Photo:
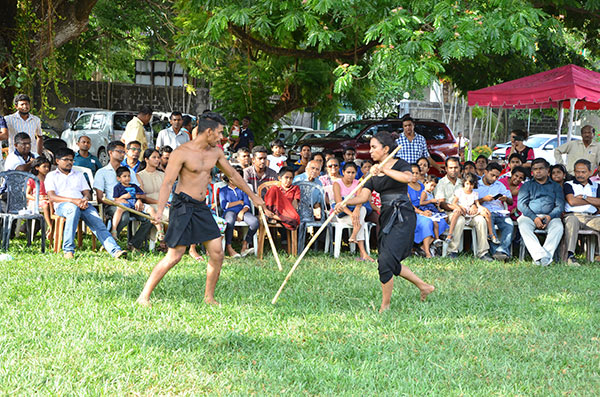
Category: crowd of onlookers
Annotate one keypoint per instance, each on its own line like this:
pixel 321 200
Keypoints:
pixel 503 204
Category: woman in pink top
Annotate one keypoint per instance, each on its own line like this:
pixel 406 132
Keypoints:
pixel 514 183
pixel 352 215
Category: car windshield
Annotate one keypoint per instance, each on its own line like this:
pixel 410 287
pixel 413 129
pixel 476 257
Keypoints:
pixel 348 131
pixel 535 141
pixel 293 138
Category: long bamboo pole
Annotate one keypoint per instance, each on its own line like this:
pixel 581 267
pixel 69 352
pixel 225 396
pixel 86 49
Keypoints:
pixel 271 242
pixel 111 202
pixel 324 225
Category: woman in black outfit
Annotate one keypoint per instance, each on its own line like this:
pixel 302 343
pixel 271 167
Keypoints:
pixel 397 220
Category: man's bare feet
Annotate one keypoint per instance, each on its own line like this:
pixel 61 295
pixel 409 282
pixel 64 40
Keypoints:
pixel 143 302
pixel 211 301
pixel 426 291
pixel 367 258
pixel 232 253
pixel 68 255
pixel 384 308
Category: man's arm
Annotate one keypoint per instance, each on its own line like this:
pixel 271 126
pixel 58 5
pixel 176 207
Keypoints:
pixel 559 203
pixel 3 134
pixel 560 150
pixel 237 179
pixel 523 201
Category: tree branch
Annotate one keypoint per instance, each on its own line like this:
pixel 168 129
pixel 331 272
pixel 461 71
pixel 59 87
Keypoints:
pixel 291 52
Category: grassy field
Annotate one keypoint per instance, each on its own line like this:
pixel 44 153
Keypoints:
pixel 489 329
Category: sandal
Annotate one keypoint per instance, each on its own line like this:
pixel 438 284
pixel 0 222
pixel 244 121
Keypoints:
pixel 492 237
pixel 449 238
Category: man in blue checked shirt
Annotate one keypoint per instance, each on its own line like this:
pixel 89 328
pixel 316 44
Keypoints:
pixel 413 145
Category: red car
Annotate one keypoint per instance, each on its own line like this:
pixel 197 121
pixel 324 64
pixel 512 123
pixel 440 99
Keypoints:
pixel 357 134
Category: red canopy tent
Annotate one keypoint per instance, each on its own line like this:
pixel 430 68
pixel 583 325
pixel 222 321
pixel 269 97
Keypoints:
pixel 568 87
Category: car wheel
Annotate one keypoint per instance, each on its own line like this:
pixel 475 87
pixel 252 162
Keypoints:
pixel 103 157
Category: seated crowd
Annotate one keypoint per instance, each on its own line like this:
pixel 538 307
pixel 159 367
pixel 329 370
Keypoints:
pixel 503 205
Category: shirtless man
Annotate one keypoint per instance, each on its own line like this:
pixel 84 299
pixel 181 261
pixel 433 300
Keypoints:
pixel 190 219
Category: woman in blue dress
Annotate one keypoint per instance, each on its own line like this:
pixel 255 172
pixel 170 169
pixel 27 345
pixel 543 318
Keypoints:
pixel 425 229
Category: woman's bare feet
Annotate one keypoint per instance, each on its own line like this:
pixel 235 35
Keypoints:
pixel 211 301
pixel 428 289
pixel 143 302
pixel 232 253
pixel 384 308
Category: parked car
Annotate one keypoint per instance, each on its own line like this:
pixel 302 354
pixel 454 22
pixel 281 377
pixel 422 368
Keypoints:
pixel 102 127
pixel 284 131
pixel 357 134
pixel 73 114
pixel 544 144
pixel 300 135
pixel 499 152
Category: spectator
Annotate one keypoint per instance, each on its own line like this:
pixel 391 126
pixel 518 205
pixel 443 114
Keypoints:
pixel 423 164
pixel 282 201
pixel 558 173
pixel 542 202
pixel 517 146
pixel 586 148
pixel 246 135
pixel 582 203
pixel 104 184
pixel 468 168
pixel 3 129
pixel 332 174
pixel 234 133
pixel 427 230
pixel 413 145
pixel 236 207
pixel 514 160
pixel 374 202
pixel 514 183
pixel 305 155
pixel 173 136
pixel 128 194
pixel 328 154
pixel 165 153
pixel 312 175
pixel 23 121
pixel 320 159
pixel 21 158
pixel 187 125
pixel 83 157
pixel 277 159
pixel 446 192
pixel 132 160
pixel 259 173
pixel 350 157
pixel 40 168
pixel 352 215
pixel 244 158
pixel 481 162
pixel 135 128
pixel 493 195
pixel 70 193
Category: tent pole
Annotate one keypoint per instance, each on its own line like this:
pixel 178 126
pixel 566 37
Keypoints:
pixel 528 122
pixel 470 133
pixel 571 115
pixel 561 117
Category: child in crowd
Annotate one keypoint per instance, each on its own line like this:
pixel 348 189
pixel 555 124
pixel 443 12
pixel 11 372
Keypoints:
pixel 127 193
pixel 40 168
pixel 277 159
pixel 466 198
pixel 430 203
pixel 282 201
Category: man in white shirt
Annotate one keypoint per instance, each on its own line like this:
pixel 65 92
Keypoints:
pixel 586 148
pixel 581 203
pixel 22 157
pixel 135 128
pixel 23 121
pixel 174 136
pixel 104 185
pixel 69 192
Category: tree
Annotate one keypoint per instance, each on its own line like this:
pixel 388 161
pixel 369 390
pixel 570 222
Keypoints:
pixel 31 32
pixel 269 57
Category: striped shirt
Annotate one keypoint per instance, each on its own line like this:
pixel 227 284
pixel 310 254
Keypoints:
pixel 32 126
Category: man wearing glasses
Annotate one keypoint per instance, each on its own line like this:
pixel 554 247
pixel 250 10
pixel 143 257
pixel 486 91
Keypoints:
pixel 104 184
pixel 134 149
pixel 70 193
pixel 542 202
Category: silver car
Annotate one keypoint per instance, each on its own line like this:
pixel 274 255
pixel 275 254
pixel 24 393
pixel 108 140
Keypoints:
pixel 102 127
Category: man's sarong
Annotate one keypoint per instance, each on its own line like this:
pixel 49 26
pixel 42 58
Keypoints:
pixel 190 222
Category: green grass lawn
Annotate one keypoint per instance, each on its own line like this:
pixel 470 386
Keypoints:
pixel 489 329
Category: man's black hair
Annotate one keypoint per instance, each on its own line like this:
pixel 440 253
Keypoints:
pixel 468 163
pixel 584 162
pixel 515 155
pixel 259 149
pixel 130 144
pixel 243 150
pixel 113 145
pixel 145 110
pixel 493 166
pixel 542 161
pixel 121 170
pixel 21 97
pixel 165 149
pixel 176 113
pixel 349 149
pixel 482 156
pixel 64 152
pixel 305 145
pixel 210 120
pixel 452 158
pixel 247 118
pixel 186 120
pixel 407 117
pixel 22 136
